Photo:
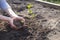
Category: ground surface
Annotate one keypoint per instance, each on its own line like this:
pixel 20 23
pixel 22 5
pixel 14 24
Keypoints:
pixel 44 26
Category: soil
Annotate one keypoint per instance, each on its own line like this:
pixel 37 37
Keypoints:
pixel 18 24
pixel 44 26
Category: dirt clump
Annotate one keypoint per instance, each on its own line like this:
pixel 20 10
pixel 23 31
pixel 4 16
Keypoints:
pixel 18 24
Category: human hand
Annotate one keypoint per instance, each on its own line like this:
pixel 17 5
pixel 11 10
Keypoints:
pixel 15 18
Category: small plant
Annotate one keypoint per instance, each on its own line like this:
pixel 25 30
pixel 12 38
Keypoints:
pixel 29 6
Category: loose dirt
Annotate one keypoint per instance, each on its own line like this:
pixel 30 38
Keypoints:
pixel 44 26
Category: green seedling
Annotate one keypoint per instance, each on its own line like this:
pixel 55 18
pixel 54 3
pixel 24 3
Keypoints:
pixel 29 6
pixel 30 11
pixel 33 15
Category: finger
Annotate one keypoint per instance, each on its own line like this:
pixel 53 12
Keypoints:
pixel 22 19
pixel 12 25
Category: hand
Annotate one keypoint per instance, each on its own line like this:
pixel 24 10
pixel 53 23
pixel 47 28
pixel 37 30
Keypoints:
pixel 15 18
pixel 19 18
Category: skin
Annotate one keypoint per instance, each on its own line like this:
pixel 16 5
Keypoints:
pixel 12 17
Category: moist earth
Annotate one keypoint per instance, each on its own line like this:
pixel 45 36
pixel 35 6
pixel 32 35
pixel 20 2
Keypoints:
pixel 44 26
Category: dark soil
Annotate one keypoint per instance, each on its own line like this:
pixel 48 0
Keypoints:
pixel 18 24
pixel 14 34
pixel 41 27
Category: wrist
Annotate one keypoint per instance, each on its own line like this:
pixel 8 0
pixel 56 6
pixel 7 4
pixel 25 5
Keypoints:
pixel 14 16
pixel 11 12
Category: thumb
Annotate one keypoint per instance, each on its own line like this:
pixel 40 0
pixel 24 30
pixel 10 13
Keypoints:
pixel 12 25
